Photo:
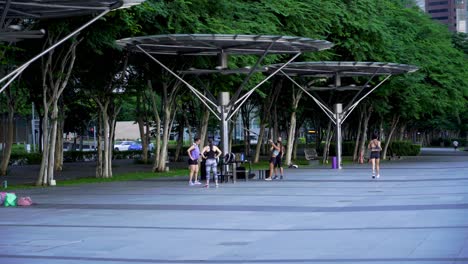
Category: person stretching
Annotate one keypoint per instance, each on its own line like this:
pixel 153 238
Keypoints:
pixel 211 153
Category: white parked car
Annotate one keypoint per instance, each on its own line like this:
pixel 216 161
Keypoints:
pixel 123 146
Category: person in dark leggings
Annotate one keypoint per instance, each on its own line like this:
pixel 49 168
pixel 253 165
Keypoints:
pixel 211 153
pixel 375 148
pixel 278 163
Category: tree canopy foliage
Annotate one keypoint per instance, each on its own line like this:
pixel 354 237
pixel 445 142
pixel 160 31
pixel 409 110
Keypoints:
pixel 434 98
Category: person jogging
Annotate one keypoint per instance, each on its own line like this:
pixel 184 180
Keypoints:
pixel 375 148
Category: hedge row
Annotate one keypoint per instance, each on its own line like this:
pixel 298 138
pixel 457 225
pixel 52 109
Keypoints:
pixel 69 156
pixel 396 148
pixel 448 142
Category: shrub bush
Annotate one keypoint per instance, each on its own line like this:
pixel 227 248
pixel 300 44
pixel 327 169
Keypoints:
pixel 397 148
pixel 25 158
pixel 403 148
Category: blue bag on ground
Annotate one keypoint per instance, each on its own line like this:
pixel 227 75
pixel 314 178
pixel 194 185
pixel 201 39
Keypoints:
pixel 10 200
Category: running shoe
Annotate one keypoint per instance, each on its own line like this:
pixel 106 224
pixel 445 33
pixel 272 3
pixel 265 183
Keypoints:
pixel 191 183
pixel 197 183
pixel 268 179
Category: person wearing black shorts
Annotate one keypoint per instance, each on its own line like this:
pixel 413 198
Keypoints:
pixel 193 154
pixel 274 151
pixel 375 148
pixel 279 158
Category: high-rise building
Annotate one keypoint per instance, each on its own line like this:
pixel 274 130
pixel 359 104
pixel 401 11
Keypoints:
pixel 453 13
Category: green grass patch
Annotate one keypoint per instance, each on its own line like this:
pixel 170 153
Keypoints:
pixel 117 177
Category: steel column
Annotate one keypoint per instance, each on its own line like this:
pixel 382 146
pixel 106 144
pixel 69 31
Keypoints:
pixel 338 112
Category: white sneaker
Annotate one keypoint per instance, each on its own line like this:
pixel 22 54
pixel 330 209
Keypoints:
pixel 217 185
pixel 197 182
pixel 191 183
pixel 378 176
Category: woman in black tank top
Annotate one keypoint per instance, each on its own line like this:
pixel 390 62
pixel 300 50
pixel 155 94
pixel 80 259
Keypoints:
pixel 375 148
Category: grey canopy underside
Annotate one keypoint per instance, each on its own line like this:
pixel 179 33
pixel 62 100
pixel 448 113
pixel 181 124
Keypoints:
pixel 344 68
pixel 215 44
pixel 11 10
pixel 42 9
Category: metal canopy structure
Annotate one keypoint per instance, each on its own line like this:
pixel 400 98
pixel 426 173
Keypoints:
pixel 337 70
pixel 215 44
pixel 55 9
pixel 222 46
pixel 13 10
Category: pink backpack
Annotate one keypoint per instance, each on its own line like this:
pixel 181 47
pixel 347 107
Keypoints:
pixel 24 201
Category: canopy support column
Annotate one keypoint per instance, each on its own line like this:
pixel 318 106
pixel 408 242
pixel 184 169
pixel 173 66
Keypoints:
pixel 223 101
pixel 338 112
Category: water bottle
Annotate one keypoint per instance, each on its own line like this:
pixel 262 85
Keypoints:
pixel 242 157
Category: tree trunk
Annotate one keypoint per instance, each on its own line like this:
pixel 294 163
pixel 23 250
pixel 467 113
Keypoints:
pixel 8 142
pixel 155 111
pixel 402 132
pixel 59 145
pixel 99 148
pixel 395 120
pixel 356 144
pixel 296 143
pixel 52 142
pixel 165 138
pixel 362 148
pixel 260 141
pixel 168 118
pixel 180 140
pixel 297 95
pixel 204 127
pixel 141 127
pixel 55 76
pixel 266 117
pixel 328 138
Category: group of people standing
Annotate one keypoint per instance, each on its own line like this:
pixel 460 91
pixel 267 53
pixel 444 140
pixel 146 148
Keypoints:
pixel 211 154
pixel 276 156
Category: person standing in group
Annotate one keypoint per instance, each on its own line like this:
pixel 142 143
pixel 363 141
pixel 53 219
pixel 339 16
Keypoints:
pixel 455 145
pixel 278 163
pixel 274 152
pixel 194 155
pixel 375 148
pixel 211 153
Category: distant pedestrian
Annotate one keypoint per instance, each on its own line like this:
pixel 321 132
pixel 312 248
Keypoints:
pixel 211 153
pixel 274 152
pixel 278 163
pixel 455 145
pixel 194 156
pixel 375 148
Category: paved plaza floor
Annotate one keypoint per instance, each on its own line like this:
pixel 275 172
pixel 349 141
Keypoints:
pixel 417 212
